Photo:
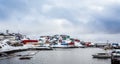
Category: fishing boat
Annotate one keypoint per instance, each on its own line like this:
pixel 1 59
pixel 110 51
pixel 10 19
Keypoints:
pixel 101 55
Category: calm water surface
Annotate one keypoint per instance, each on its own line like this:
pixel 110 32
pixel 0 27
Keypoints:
pixel 61 56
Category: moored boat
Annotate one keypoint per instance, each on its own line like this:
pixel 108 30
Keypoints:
pixel 115 57
pixel 6 48
pixel 101 55
pixel 25 57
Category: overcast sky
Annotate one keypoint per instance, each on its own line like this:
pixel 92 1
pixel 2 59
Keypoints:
pixel 88 20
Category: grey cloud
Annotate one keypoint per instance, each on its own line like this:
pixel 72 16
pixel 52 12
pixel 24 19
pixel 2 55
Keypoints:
pixel 105 22
pixel 7 7
pixel 63 14
pixel 110 19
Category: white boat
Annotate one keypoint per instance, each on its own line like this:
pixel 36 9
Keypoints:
pixel 5 47
pixel 101 55
pixel 116 53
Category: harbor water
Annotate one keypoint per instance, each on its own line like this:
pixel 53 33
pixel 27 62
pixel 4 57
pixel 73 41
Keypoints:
pixel 60 56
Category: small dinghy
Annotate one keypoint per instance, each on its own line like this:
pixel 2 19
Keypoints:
pixel 25 57
pixel 101 55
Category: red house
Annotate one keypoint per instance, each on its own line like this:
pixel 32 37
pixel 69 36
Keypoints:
pixel 30 41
